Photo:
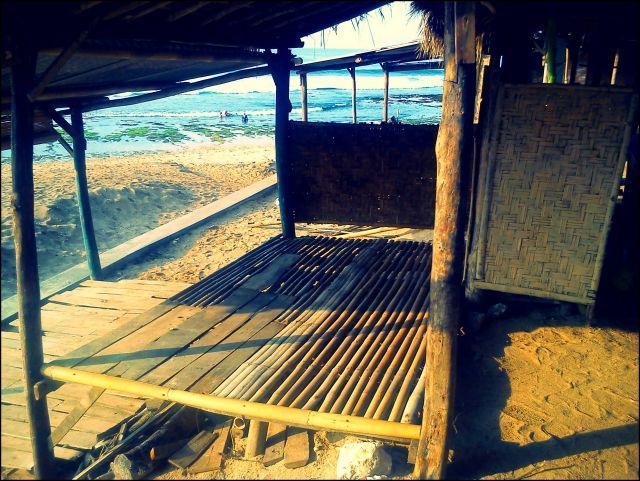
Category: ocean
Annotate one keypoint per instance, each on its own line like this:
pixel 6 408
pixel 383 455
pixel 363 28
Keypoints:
pixel 194 118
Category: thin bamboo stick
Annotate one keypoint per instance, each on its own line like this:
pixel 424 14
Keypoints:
pixel 262 354
pixel 326 339
pixel 323 308
pixel 348 352
pixel 400 357
pixel 376 358
pixel 397 369
pixel 410 413
pixel 353 310
pixel 403 397
pixel 363 350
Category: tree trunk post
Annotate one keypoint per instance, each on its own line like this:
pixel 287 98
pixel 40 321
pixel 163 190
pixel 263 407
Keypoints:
pixel 454 150
pixel 281 72
pixel 86 220
pixel 24 238
pixel 385 101
pixel 352 72
pixel 303 92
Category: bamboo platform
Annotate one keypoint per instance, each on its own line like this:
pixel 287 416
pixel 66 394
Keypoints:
pixel 324 324
pixel 334 325
pixel 70 319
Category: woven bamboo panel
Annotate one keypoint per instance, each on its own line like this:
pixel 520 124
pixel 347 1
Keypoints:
pixel 363 174
pixel 556 158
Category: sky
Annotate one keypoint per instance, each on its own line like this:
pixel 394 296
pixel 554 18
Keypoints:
pixel 374 32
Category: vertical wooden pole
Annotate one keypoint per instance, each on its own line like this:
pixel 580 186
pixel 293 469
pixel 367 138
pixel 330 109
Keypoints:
pixel 454 150
pixel 550 57
pixel 385 101
pixel 303 92
pixel 281 72
pixel 86 220
pixel 256 439
pixel 352 72
pixel 567 65
pixel 24 238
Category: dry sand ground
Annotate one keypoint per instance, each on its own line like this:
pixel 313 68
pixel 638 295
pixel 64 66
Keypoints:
pixel 539 395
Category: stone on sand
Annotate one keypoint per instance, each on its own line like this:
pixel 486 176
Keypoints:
pixel 362 459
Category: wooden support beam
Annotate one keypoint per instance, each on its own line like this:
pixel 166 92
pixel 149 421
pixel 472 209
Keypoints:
pixel 178 88
pixel 61 60
pixel 454 150
pixel 61 121
pixel 86 220
pixel 281 74
pixel 303 92
pixel 65 145
pixel 183 12
pixel 124 8
pixel 146 11
pixel 385 100
pixel 354 114
pixel 225 12
pixel 24 238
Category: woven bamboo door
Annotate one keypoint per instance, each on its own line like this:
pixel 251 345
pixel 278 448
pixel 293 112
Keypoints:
pixel 551 176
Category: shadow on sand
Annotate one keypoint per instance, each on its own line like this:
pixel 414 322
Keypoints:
pixel 482 391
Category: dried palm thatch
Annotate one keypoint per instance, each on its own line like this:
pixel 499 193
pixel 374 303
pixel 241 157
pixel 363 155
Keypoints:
pixel 431 26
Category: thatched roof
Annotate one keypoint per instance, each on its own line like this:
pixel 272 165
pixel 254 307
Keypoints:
pixel 145 45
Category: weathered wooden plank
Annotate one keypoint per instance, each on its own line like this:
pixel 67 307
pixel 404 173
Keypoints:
pixel 10 442
pixel 87 350
pixel 297 450
pixel 207 342
pixel 79 439
pixel 129 348
pixel 211 459
pixel 74 416
pixel 193 449
pixel 274 446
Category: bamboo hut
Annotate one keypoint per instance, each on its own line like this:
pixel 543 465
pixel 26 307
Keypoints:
pixel 355 336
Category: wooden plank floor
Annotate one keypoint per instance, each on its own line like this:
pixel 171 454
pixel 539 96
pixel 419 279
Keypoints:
pixel 71 319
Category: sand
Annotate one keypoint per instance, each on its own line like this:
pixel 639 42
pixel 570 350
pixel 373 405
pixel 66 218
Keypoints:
pixel 129 196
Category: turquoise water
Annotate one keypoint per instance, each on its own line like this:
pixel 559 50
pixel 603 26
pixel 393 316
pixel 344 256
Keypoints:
pixel 194 118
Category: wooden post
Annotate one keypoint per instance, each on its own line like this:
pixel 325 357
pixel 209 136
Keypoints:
pixel 454 150
pixel 385 104
pixel 281 66
pixel 303 92
pixel 352 72
pixel 24 238
pixel 550 57
pixel 86 220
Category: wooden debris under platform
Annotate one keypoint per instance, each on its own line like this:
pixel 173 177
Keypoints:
pixel 324 324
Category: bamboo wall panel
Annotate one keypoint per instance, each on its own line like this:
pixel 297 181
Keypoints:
pixel 363 174
pixel 554 161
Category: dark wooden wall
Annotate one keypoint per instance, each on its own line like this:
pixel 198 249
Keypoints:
pixel 363 174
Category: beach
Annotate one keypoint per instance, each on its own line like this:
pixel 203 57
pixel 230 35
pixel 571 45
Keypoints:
pixel 129 196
